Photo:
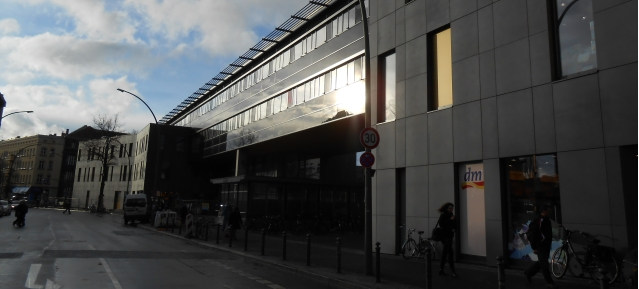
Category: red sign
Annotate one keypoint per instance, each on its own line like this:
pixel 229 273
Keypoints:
pixel 369 138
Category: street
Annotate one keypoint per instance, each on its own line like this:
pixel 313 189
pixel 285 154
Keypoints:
pixel 84 250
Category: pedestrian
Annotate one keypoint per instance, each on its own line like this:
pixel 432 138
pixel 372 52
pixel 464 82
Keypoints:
pixel 235 222
pixel 67 206
pixel 447 223
pixel 21 213
pixel 226 213
pixel 540 237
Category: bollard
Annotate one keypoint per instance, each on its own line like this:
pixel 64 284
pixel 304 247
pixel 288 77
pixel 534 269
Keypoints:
pixel 217 237
pixel 339 255
pixel 377 255
pixel 284 245
pixel 263 241
pixel 603 282
pixel 501 276
pixel 245 238
pixel 429 267
pixel 308 249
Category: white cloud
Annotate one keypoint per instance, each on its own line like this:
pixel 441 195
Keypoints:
pixel 220 27
pixel 9 26
pixel 68 58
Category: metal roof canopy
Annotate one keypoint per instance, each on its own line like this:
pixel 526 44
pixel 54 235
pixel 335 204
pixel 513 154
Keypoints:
pixel 289 26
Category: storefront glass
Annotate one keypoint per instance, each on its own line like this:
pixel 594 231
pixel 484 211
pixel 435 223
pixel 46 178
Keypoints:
pixel 531 182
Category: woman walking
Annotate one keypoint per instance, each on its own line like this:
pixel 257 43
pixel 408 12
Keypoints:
pixel 447 223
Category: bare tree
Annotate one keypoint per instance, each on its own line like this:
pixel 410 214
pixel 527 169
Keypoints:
pixel 104 149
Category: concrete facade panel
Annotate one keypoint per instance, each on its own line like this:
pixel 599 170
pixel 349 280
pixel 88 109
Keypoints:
pixel 544 117
pixel 460 8
pixel 466 81
pixel 619 104
pixel 385 151
pixel 578 113
pixel 417 192
pixel 485 29
pixel 417 140
pixel 415 21
pixel 440 136
pixel 437 14
pixel 616 41
pixel 467 132
pixel 416 56
pixel 400 143
pixel 540 59
pixel 416 89
pixel 515 124
pixel 465 37
pixel 510 19
pixel 583 190
pixel 487 74
pixel 386 33
pixel 489 125
pixel 512 67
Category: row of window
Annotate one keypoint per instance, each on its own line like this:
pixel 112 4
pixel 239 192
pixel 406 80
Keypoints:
pixel 335 79
pixel 322 35
pixel 25 179
pixel 126 173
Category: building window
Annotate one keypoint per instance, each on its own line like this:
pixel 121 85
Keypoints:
pixel 386 88
pixel 575 36
pixel 441 70
pixel 531 182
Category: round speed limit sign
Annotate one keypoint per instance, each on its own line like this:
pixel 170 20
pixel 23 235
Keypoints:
pixel 369 138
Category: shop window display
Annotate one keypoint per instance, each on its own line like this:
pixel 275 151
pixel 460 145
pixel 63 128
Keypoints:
pixel 531 182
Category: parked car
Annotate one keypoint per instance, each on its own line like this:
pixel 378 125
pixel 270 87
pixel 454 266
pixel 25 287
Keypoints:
pixel 5 208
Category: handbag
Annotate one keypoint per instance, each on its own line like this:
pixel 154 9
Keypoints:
pixel 438 233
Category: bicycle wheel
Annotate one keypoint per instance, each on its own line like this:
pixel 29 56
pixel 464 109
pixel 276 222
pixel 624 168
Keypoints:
pixel 559 263
pixel 609 265
pixel 409 248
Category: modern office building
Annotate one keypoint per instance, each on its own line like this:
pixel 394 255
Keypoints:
pixel 497 106
pixel 31 167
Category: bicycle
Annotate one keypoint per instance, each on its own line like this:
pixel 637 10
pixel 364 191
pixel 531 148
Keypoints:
pixel 595 257
pixel 417 249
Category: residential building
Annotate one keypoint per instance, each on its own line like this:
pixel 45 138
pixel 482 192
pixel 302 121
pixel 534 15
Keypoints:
pixel 31 167
pixel 497 106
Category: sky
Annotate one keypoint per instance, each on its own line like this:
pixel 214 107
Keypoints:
pixel 64 59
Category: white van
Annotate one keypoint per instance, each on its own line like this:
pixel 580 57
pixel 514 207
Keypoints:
pixel 136 207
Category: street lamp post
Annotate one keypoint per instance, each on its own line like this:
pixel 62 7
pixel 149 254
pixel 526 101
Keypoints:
pixel 8 114
pixel 157 150
pixel 368 190
pixel 147 106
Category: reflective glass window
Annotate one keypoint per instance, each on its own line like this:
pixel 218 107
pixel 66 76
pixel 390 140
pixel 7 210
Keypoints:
pixel 576 36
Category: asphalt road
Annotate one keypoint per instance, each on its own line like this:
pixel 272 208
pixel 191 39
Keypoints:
pixel 82 250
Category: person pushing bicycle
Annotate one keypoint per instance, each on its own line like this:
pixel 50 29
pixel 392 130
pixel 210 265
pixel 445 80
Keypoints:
pixel 540 237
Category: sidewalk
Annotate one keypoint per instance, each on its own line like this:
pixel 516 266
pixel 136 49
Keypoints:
pixel 396 272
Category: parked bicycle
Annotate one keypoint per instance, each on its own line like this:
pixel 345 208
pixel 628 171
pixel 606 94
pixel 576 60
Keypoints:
pixel 594 258
pixel 417 249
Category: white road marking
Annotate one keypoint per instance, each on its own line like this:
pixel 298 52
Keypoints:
pixel 34 270
pixel 114 280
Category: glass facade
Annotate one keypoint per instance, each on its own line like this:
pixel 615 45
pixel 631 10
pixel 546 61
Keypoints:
pixel 332 95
